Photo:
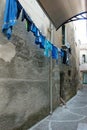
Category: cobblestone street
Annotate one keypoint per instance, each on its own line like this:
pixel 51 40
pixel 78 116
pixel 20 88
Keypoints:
pixel 73 116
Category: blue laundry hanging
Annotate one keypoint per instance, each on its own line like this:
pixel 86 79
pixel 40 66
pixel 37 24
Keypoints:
pixel 48 48
pixel 25 16
pixel 61 53
pixel 12 11
pixel 40 40
pixel 19 8
pixel 29 22
pixel 54 52
pixel 42 44
pixel 33 29
pixel 37 33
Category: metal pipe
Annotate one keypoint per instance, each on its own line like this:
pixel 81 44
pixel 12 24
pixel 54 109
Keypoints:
pixel 51 83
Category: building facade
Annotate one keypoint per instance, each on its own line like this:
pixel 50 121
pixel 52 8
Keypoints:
pixel 83 63
pixel 31 84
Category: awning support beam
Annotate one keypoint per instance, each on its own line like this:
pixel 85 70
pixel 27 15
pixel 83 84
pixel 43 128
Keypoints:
pixel 75 18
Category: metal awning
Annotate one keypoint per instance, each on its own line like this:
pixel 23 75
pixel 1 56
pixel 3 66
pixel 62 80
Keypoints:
pixel 63 11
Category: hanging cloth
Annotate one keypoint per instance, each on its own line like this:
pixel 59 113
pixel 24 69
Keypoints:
pixel 12 11
pixel 64 58
pixel 54 52
pixel 61 52
pixel 48 48
pixel 40 40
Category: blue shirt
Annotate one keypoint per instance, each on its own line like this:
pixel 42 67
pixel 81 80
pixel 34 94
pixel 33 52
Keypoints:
pixel 11 14
pixel 48 48
pixel 54 52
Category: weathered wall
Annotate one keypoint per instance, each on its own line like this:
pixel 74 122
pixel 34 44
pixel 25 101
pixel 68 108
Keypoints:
pixel 68 73
pixel 24 80
pixel 83 64
pixel 25 76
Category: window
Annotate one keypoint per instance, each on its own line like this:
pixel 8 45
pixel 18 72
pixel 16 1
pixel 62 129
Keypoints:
pixel 84 58
pixel 63 34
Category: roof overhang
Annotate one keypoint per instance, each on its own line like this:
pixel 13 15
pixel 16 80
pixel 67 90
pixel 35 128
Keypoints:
pixel 61 11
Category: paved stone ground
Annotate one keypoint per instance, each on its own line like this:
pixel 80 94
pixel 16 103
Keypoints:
pixel 73 116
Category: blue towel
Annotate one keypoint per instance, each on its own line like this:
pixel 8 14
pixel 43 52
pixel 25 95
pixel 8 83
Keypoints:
pixel 48 48
pixel 42 44
pixel 40 40
pixel 10 15
pixel 37 33
pixel 19 8
pixel 33 28
pixel 54 52
pixel 61 52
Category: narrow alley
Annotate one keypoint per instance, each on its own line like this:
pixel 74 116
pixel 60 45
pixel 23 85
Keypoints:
pixel 43 65
pixel 73 116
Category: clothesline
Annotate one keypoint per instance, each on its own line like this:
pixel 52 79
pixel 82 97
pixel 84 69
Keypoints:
pixel 12 13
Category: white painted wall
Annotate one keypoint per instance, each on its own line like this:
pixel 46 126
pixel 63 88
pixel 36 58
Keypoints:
pixel 83 51
pixel 36 14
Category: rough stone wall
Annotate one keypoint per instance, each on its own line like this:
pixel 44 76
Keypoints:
pixel 24 72
pixel 55 84
pixel 24 80
pixel 68 74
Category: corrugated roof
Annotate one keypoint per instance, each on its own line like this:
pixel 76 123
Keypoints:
pixel 60 11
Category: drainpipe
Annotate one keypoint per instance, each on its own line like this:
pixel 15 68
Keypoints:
pixel 50 73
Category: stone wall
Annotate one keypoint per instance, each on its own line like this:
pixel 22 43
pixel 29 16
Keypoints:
pixel 25 79
pixel 68 73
